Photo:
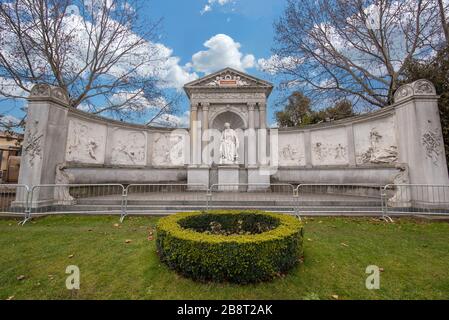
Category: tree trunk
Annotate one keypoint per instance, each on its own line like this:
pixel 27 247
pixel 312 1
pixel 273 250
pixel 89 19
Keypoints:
pixel 444 22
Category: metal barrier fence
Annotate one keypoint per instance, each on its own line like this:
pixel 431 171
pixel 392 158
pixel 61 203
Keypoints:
pixel 14 199
pixel 416 199
pixel 340 198
pixel 141 197
pixel 362 199
pixel 252 196
pixel 77 198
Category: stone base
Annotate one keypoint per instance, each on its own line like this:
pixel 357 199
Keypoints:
pixel 228 178
pixel 197 178
pixel 258 179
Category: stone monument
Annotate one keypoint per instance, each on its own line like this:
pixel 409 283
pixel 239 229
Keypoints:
pixel 238 102
pixel 399 144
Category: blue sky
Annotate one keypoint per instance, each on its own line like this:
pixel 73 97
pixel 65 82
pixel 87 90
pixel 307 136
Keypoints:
pixel 198 37
pixel 185 28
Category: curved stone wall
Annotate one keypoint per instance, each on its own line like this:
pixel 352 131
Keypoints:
pixel 400 143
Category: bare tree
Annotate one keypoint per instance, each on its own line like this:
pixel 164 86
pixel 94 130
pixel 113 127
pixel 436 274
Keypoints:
pixel 352 49
pixel 99 51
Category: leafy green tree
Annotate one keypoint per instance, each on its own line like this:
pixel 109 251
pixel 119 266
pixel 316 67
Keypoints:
pixel 298 112
pixel 342 109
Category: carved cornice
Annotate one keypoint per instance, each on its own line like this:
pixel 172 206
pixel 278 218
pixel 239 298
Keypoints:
pixel 418 88
pixel 45 91
pixel 228 80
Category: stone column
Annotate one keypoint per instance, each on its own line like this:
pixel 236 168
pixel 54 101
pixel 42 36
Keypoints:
pixel 252 149
pixel 419 133
pixel 263 115
pixel 193 134
pixel 258 176
pixel 205 134
pixel 262 137
pixel 44 142
pixel 199 137
pixel 197 175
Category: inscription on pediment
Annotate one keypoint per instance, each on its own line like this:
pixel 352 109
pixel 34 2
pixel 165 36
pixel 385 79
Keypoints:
pixel 227 80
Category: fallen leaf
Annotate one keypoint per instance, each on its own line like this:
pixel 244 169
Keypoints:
pixel 335 297
pixel 21 277
pixel 116 225
pixel 344 244
pixel 381 269
pixel 71 256
pixel 308 239
pixel 10 298
pixel 128 241
pixel 150 238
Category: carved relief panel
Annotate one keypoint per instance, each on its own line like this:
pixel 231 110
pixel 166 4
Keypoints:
pixel 168 149
pixel 128 147
pixel 291 149
pixel 32 145
pixel 433 145
pixel 375 142
pixel 86 142
pixel 329 147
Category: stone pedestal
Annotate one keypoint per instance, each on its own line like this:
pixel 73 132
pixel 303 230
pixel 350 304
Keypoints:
pixel 258 179
pixel 228 178
pixel 421 144
pixel 44 142
pixel 198 178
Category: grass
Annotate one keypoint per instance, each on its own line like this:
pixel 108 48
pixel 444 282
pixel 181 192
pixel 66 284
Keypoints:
pixel 414 256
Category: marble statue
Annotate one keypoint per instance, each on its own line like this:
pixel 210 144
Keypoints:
pixel 229 145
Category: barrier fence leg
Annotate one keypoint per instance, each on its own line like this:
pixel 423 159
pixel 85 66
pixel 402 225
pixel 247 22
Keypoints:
pixel 208 199
pixel 124 206
pixel 27 208
pixel 296 202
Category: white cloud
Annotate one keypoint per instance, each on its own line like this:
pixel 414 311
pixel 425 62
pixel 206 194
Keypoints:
pixel 275 63
pixel 210 3
pixel 135 98
pixel 9 120
pixel 206 8
pixel 222 51
pixel 9 87
pixel 162 65
pixel 173 121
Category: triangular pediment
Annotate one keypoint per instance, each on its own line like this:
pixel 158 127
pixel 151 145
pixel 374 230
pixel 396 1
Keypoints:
pixel 228 78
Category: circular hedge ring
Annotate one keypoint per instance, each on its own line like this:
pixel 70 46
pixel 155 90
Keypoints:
pixel 234 246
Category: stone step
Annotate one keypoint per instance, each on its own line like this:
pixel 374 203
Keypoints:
pixel 192 207
pixel 258 203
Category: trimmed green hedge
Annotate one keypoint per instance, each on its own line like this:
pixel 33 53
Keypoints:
pixel 235 258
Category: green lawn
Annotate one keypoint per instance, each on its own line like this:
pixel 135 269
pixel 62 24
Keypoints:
pixel 414 256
